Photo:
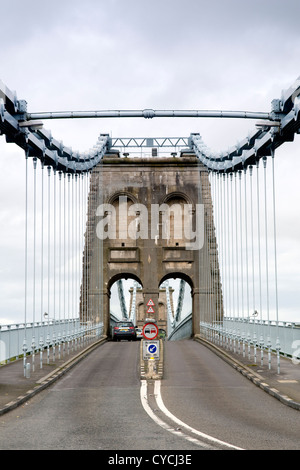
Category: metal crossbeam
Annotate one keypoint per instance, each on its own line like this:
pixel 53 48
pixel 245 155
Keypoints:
pixel 149 114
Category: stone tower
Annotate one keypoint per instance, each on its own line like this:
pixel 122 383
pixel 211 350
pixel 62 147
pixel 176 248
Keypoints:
pixel 150 219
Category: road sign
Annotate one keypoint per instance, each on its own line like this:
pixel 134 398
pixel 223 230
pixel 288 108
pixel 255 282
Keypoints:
pixel 150 302
pixel 150 349
pixel 150 310
pixel 150 331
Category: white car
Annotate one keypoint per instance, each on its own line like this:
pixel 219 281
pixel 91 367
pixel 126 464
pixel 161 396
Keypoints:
pixel 139 333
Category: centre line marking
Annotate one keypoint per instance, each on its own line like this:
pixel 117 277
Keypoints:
pixel 167 413
pixel 160 403
pixel 157 420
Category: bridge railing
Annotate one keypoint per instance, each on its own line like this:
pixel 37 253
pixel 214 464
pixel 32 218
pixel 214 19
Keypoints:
pixel 17 339
pixel 276 336
pixel 183 330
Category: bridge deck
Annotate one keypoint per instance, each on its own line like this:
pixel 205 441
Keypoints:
pixel 16 389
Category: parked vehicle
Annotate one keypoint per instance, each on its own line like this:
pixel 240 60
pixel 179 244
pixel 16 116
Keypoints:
pixel 124 330
pixel 139 333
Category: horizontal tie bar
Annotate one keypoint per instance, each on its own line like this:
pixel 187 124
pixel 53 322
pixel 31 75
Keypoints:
pixel 149 114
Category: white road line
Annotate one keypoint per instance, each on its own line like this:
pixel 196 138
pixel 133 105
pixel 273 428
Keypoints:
pixel 157 420
pixel 160 403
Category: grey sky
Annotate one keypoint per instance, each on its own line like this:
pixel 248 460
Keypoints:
pixel 163 54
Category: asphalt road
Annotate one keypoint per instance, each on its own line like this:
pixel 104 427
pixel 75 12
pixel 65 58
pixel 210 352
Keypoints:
pixel 208 394
pixel 102 404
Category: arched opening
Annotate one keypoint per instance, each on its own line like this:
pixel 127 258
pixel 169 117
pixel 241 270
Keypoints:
pixel 125 291
pixel 179 304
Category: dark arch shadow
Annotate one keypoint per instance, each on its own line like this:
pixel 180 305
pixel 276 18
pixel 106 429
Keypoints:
pixel 125 275
pixel 178 275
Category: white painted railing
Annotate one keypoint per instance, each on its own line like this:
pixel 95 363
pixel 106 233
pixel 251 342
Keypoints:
pixel 281 336
pixel 17 339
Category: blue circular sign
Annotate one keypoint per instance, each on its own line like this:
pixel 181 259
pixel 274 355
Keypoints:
pixel 152 348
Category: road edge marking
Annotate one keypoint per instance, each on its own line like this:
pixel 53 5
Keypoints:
pixel 162 407
pixel 161 423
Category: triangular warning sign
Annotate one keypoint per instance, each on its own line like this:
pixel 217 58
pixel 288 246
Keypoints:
pixel 150 310
pixel 150 302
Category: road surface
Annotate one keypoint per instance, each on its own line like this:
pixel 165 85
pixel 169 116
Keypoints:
pixel 201 403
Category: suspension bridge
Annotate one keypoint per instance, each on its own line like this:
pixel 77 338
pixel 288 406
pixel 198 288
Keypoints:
pixel 239 308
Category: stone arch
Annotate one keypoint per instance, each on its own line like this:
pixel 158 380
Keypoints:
pixel 114 197
pixel 176 275
pixel 177 195
pixel 123 275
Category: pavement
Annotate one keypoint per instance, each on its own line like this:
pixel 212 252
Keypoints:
pixel 16 388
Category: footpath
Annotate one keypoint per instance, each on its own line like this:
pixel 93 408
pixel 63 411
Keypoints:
pixel 17 387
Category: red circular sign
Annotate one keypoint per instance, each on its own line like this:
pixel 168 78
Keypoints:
pixel 150 331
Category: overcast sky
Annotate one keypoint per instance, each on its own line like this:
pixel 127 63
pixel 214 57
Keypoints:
pixel 137 54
